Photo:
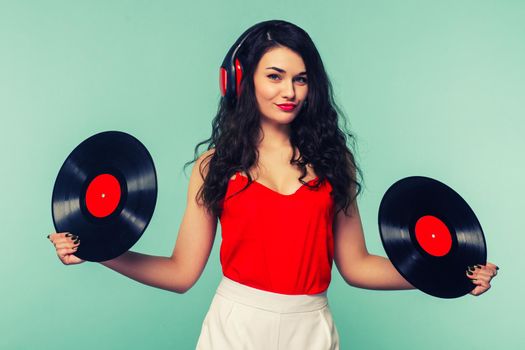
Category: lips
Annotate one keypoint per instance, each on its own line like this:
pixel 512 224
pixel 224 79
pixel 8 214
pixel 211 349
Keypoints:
pixel 287 106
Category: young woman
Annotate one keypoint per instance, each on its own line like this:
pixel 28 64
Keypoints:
pixel 280 178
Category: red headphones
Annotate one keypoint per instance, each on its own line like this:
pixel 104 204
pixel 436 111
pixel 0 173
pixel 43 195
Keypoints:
pixel 231 71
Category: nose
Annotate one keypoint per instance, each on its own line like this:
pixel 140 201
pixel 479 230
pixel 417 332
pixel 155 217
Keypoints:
pixel 288 91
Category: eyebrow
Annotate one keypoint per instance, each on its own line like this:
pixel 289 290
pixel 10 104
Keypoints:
pixel 282 70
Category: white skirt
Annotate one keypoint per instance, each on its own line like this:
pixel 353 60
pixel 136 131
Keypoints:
pixel 242 317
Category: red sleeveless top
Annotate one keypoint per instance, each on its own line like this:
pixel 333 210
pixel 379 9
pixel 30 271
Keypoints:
pixel 276 242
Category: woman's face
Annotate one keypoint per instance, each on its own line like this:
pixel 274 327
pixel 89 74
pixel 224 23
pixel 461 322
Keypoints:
pixel 280 78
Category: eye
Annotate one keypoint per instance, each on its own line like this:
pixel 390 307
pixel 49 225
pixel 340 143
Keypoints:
pixel 272 75
pixel 304 80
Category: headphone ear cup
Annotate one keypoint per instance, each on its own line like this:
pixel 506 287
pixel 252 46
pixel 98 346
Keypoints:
pixel 223 81
pixel 238 77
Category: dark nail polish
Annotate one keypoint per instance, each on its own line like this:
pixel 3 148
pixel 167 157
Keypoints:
pixel 76 241
pixel 48 236
pixel 478 266
pixel 497 268
pixel 469 273
pixel 68 234
pixel 471 268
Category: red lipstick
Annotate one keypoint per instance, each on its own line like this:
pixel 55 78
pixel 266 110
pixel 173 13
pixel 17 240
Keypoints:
pixel 287 106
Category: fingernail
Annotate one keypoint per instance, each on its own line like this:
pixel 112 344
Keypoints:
pixel 469 273
pixel 497 268
pixel 68 234
pixel 471 268
pixel 78 240
pixel 48 236
pixel 478 266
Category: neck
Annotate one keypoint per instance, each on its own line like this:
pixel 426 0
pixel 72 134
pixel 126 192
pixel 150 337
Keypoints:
pixel 274 136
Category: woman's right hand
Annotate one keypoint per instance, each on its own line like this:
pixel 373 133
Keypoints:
pixel 66 245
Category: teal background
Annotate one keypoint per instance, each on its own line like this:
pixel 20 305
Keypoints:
pixel 432 88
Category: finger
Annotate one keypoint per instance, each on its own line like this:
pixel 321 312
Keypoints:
pixel 73 259
pixel 64 252
pixel 485 271
pixel 470 274
pixel 493 266
pixel 482 283
pixel 54 236
pixel 61 252
pixel 58 240
pixel 477 275
pixel 63 237
pixel 66 245
pixel 481 287
pixel 71 250
pixel 478 291
pixel 490 269
pixel 483 278
pixel 66 235
pixel 71 240
pixel 481 269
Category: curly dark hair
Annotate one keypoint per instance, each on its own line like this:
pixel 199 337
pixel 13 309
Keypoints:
pixel 315 131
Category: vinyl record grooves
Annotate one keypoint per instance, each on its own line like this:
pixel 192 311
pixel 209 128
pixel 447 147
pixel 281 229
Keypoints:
pixel 431 235
pixel 105 193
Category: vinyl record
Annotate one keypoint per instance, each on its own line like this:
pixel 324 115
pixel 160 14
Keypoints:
pixel 431 235
pixel 105 193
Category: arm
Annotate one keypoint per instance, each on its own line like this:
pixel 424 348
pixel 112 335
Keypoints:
pixel 155 271
pixel 357 267
pixel 179 272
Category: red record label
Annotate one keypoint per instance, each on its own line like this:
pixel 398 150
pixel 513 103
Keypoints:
pixel 433 235
pixel 103 195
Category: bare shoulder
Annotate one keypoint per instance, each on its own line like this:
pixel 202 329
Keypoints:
pixel 197 177
pixel 207 153
pixel 201 164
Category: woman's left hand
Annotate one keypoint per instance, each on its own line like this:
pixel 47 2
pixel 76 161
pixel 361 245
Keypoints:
pixel 481 275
